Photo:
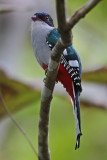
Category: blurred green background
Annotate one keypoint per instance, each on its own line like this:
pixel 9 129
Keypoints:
pixel 18 67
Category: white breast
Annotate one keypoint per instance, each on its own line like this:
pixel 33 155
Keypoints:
pixel 38 36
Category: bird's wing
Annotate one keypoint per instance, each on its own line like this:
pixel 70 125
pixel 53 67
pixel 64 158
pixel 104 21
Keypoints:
pixel 70 59
pixel 52 38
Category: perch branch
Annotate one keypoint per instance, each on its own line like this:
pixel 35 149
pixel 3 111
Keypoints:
pixel 81 12
pixel 47 92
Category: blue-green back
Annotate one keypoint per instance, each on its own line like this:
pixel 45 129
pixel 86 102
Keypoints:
pixel 53 37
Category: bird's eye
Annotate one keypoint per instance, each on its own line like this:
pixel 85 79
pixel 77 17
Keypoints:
pixel 47 18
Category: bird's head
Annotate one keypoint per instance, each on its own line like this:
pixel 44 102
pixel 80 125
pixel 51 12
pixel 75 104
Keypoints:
pixel 43 17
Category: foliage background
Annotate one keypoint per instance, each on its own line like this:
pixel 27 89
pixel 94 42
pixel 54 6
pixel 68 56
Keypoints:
pixel 17 60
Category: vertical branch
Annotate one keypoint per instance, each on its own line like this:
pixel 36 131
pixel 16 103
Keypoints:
pixel 43 129
pixel 66 35
pixel 61 14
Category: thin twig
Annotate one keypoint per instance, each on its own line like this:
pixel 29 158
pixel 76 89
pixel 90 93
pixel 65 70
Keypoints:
pixel 16 124
pixel 81 12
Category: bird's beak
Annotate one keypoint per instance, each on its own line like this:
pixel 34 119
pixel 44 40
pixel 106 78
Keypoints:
pixel 35 18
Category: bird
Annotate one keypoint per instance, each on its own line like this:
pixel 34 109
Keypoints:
pixel 44 37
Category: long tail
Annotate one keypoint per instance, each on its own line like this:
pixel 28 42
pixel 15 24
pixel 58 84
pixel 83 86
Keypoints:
pixel 76 108
pixel 65 78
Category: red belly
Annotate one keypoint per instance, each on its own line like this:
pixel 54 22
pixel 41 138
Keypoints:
pixel 65 78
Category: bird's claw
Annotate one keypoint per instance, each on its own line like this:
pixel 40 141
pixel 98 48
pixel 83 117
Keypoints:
pixel 46 70
pixel 56 82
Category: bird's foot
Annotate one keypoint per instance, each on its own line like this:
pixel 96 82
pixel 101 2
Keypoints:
pixel 46 70
pixel 56 81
